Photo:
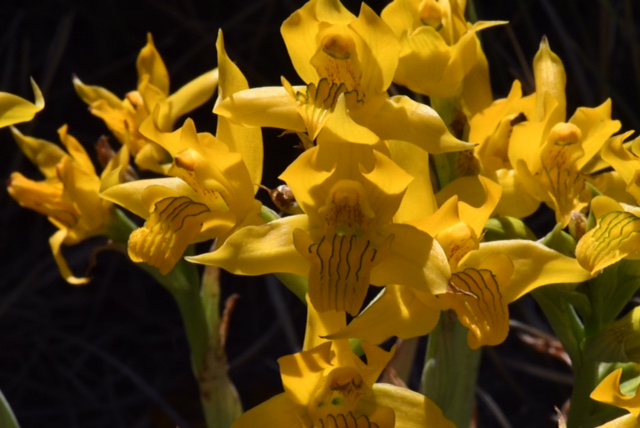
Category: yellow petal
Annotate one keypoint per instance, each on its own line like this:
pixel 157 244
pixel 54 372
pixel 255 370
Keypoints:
pixel 135 195
pixel 550 78
pixel 596 126
pixel 415 260
pixel 257 250
pixel 320 325
pixel 340 269
pixel 92 94
pixel 412 410
pixel 381 59
pixel 55 242
pixel 478 195
pixel 395 312
pixel 401 118
pixel 608 391
pixel 171 227
pixel 534 265
pixel 478 298
pixel 277 412
pixel 76 151
pixel 151 66
pixel 246 141
pixel 43 154
pixel 516 201
pixel 45 197
pixel 614 238
pixel 268 106
pixel 341 127
pixel 419 200
pixel 301 373
pixel 14 109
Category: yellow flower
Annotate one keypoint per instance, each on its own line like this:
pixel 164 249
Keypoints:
pixel 608 391
pixel 439 49
pixel 327 385
pixel 347 64
pixel 68 196
pixel 14 109
pixel 346 239
pixel 485 277
pixel 211 189
pixel 528 147
pixel 614 238
pixel 124 117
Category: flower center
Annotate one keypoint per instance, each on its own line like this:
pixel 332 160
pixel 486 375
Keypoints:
pixel 456 242
pixel 559 176
pixel 430 13
pixel 337 61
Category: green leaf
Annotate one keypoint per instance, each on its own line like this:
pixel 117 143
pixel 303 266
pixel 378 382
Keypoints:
pixel 7 418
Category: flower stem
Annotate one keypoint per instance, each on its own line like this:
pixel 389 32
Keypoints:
pixel 200 315
pixel 451 370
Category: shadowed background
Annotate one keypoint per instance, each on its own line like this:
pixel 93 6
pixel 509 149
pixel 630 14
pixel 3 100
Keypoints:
pixel 113 353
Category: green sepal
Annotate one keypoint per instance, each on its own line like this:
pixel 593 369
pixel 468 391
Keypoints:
pixel 560 241
pixel 503 228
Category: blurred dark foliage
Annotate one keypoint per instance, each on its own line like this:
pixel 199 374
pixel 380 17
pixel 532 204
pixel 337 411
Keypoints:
pixel 113 353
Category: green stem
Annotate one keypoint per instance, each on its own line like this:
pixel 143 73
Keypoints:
pixel 585 381
pixel 451 370
pixel 200 315
pixel 219 397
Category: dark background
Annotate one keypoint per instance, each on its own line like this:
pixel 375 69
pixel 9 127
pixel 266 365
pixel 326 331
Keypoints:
pixel 113 353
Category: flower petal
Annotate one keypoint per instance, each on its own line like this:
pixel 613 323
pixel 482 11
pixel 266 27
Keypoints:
pixel 401 118
pixel 246 141
pixel 278 411
pixel 616 236
pixel 257 250
pixel 151 67
pixel 43 154
pixel 55 242
pixel 608 391
pixel 395 312
pixel 271 106
pixel 479 300
pixel 412 410
pixel 534 265
pixel 14 109
pixel 415 260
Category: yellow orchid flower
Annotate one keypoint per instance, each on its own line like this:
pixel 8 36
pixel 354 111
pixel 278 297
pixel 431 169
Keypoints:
pixel 439 48
pixel 608 391
pixel 485 277
pixel 328 385
pixel 528 147
pixel 347 64
pixel 614 238
pixel 346 239
pixel 14 109
pixel 210 192
pixel 124 117
pixel 68 196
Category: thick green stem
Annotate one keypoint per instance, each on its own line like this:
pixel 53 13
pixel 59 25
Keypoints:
pixel 451 370
pixel 219 397
pixel 585 381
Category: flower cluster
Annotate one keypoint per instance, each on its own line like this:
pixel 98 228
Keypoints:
pixel 380 244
